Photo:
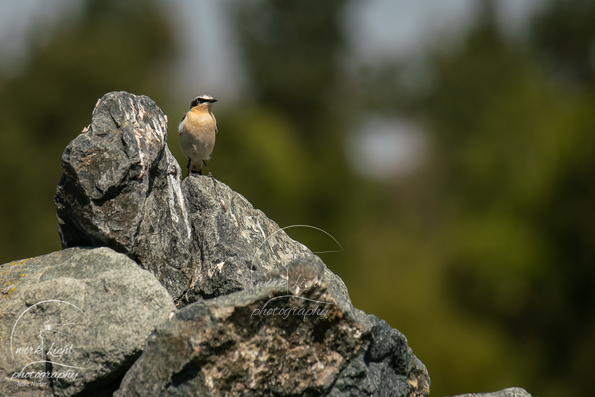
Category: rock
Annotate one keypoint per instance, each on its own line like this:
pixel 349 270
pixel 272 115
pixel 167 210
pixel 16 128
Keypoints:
pixel 84 313
pixel 510 392
pixel 233 244
pixel 289 335
pixel 121 189
pixel 206 243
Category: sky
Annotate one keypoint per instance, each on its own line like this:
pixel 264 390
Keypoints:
pixel 211 62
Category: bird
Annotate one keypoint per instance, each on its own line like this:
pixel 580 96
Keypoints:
pixel 198 130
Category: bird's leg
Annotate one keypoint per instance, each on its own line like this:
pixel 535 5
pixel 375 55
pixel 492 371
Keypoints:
pixel 210 173
pixel 214 183
pixel 188 166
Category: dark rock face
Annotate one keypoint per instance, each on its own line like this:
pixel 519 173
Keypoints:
pixel 510 392
pixel 82 314
pixel 285 337
pixel 233 245
pixel 121 189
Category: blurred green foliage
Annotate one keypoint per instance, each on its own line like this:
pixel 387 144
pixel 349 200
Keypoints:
pixel 112 46
pixel 288 135
pixel 484 257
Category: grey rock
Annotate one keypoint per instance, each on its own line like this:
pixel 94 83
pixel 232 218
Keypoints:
pixel 289 335
pixel 121 188
pixel 81 313
pixel 233 243
pixel 510 392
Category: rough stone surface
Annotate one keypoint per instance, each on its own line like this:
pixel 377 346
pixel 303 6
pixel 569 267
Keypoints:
pixel 510 392
pixel 121 189
pixel 233 243
pixel 83 313
pixel 290 335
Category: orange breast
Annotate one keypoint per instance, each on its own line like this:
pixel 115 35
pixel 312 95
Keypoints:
pixel 202 120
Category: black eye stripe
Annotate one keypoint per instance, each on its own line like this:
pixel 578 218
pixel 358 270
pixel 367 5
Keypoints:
pixel 201 100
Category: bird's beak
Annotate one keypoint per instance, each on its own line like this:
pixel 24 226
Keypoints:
pixel 212 100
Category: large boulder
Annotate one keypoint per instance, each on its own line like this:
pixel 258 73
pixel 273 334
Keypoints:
pixel 80 315
pixel 289 335
pixel 121 189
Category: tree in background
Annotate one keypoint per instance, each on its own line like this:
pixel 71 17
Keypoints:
pixel 113 45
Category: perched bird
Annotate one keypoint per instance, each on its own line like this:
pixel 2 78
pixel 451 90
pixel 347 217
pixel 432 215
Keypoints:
pixel 198 129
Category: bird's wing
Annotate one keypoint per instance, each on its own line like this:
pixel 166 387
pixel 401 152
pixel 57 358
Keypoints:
pixel 181 125
pixel 216 128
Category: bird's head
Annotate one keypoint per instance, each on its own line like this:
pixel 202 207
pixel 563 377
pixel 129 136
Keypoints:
pixel 206 100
